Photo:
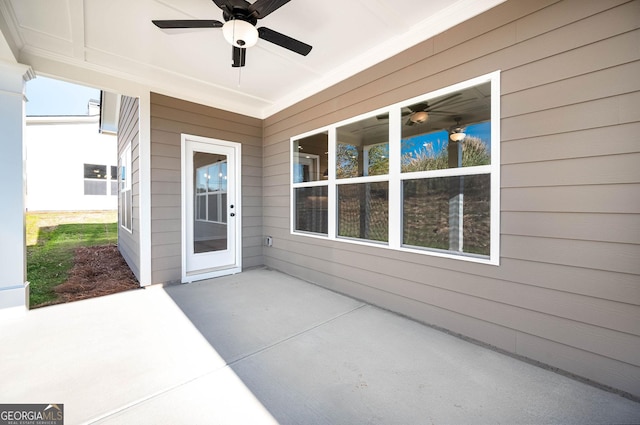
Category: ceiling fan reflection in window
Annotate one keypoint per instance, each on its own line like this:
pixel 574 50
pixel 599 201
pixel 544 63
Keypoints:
pixel 239 28
pixel 419 113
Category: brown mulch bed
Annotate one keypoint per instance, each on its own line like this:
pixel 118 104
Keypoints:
pixel 97 271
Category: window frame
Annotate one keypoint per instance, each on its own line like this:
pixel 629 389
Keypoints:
pixel 396 177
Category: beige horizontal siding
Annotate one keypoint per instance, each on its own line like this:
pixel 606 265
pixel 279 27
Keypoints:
pixel 567 284
pixel 603 198
pixel 617 228
pixel 621 139
pixel 128 132
pixel 169 119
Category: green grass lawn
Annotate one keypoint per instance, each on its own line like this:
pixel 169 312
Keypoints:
pixel 51 241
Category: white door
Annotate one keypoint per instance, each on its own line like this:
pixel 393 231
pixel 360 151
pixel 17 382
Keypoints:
pixel 211 242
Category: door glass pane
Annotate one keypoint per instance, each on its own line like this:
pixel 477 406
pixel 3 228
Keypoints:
pixel 210 209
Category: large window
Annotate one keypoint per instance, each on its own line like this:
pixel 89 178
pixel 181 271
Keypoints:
pixel 419 176
pixel 126 198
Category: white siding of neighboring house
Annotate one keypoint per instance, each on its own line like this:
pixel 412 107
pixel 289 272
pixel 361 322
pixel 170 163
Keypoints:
pixel 57 149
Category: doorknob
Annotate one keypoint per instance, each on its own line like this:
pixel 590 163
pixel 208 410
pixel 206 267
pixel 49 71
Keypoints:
pixel 233 214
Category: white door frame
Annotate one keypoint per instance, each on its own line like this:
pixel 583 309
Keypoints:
pixel 221 270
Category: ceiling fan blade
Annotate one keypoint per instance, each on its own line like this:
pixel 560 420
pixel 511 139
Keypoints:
pixel 262 8
pixel 441 101
pixel 284 41
pixel 239 57
pixel 444 113
pixel 418 107
pixel 190 23
pixel 228 5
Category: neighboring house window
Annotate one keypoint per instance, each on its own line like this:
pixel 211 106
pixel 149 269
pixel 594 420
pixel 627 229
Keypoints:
pixel 126 202
pixel 419 176
pixel 98 182
pixel 211 192
pixel 95 179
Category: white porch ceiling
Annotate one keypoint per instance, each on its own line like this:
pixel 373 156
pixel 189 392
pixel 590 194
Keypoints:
pixel 117 38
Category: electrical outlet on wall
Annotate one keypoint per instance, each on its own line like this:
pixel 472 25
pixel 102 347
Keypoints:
pixel 268 241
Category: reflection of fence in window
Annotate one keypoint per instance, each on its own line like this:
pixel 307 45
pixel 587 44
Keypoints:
pixel 363 211
pixel 311 209
pixel 429 221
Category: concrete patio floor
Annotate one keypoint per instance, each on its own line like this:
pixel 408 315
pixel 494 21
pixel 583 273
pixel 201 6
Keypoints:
pixel 262 347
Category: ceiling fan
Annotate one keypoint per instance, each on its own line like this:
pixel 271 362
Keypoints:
pixel 239 28
pixel 419 113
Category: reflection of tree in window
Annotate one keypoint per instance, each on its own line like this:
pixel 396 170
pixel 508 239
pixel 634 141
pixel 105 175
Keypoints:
pixel 378 160
pixel 432 152
pixel 363 148
pixel 346 161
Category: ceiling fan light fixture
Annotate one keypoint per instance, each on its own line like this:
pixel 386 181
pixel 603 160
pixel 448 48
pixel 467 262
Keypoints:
pixel 240 33
pixel 419 117
pixel 457 134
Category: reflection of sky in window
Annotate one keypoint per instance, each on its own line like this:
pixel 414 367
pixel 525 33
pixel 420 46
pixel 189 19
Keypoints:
pixel 213 177
pixel 218 177
pixel 438 140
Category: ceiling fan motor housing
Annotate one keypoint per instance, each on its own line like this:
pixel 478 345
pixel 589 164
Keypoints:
pixel 241 14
